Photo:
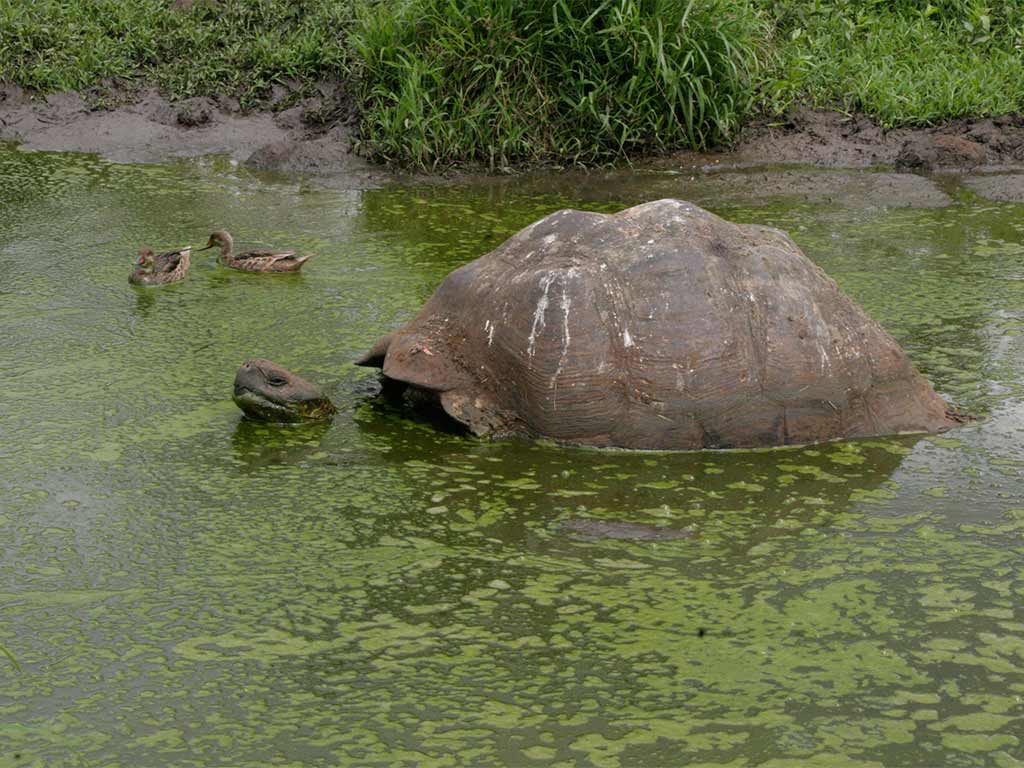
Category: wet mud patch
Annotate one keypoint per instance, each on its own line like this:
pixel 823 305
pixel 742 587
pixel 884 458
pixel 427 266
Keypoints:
pixel 837 140
pixel 314 135
pixel 146 127
pixel 820 138
pixel 1006 187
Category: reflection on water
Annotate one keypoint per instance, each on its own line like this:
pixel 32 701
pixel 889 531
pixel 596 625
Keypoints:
pixel 183 586
pixel 257 445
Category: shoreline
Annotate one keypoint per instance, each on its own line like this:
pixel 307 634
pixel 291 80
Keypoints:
pixel 144 127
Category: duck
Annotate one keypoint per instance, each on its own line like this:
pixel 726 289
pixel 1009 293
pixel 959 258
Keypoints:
pixel 265 260
pixel 158 269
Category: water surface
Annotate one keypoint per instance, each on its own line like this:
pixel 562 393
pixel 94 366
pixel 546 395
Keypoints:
pixel 181 587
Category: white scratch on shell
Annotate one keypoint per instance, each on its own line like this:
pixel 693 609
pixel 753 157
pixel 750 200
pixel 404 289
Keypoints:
pixel 538 314
pixel 825 362
pixel 566 304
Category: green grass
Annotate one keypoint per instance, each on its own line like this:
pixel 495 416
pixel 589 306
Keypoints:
pixel 239 47
pixel 903 62
pixel 505 82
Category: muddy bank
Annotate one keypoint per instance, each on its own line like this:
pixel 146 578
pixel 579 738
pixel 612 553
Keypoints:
pixel 987 154
pixel 822 157
pixel 144 127
pixel 1008 187
pixel 315 135
pixel 835 140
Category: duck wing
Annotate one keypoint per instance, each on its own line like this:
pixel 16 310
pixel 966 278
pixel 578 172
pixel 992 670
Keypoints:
pixel 168 262
pixel 265 254
pixel 267 261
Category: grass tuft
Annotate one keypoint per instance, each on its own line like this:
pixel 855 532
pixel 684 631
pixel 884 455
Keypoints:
pixel 904 62
pixel 239 47
pixel 506 81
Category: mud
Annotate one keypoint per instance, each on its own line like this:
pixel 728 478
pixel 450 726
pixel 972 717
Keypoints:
pixel 315 135
pixel 144 127
pixel 835 140
pixel 1008 187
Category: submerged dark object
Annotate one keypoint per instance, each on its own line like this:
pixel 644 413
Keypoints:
pixel 593 529
pixel 158 269
pixel 663 327
pixel 268 392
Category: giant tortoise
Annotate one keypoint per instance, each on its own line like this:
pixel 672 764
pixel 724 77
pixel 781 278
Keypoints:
pixel 662 326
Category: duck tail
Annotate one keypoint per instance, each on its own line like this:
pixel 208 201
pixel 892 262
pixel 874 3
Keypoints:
pixel 296 262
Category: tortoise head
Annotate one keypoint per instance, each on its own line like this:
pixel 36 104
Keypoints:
pixel 266 391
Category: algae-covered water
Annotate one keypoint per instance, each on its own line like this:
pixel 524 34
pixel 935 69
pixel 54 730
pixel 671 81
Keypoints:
pixel 181 587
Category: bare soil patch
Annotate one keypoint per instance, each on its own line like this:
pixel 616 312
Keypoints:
pixel 1008 187
pixel 314 135
pixel 828 139
pixel 144 127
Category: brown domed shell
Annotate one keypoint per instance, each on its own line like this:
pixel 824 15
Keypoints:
pixel 663 327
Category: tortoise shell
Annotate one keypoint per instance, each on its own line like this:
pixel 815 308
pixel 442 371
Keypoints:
pixel 662 326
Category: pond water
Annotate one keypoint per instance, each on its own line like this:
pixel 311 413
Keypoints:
pixel 181 587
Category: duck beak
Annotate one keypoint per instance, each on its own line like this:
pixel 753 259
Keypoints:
pixel 206 248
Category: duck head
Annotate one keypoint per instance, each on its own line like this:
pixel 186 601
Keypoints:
pixel 144 263
pixel 221 237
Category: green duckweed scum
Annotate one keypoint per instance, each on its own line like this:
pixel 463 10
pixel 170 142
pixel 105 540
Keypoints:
pixel 182 586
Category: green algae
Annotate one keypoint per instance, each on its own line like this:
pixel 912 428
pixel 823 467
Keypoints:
pixel 182 587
